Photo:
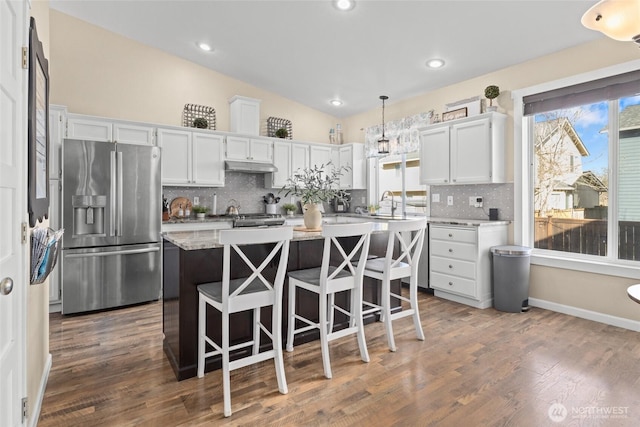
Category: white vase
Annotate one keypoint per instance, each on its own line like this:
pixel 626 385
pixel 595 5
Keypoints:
pixel 312 216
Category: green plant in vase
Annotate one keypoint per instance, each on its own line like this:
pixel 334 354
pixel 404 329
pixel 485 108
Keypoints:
pixel 282 133
pixel 314 185
pixel 289 208
pixel 491 93
pixel 200 211
pixel 200 123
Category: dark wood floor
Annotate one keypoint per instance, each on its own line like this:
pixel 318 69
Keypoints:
pixel 476 367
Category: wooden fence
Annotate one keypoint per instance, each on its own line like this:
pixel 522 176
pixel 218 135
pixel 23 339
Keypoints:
pixel 586 236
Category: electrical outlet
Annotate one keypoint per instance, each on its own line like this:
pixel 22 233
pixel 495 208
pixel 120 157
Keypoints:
pixel 435 198
pixel 196 200
pixel 449 200
pixel 475 201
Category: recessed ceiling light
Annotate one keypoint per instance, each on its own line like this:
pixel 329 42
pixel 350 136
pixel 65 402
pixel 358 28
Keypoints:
pixel 204 47
pixel 335 102
pixel 435 63
pixel 344 5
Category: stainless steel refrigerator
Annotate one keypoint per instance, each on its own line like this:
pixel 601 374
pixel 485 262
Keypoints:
pixel 111 208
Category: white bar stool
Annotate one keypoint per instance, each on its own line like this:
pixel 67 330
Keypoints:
pixel 345 274
pixel 248 293
pixel 410 236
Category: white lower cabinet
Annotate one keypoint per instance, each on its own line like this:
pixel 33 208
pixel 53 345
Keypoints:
pixel 460 261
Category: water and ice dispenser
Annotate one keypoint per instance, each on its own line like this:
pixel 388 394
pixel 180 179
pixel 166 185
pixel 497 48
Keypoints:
pixel 88 215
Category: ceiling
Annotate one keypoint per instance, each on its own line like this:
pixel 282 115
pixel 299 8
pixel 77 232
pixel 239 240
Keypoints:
pixel 310 52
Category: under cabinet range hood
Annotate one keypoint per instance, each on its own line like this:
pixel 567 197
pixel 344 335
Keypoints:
pixel 251 167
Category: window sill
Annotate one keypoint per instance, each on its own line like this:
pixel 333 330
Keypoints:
pixel 588 264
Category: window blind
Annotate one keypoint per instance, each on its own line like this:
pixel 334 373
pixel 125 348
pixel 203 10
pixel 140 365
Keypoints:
pixel 605 89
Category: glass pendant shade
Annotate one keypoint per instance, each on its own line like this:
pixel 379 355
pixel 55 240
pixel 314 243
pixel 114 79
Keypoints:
pixel 383 143
pixel 618 19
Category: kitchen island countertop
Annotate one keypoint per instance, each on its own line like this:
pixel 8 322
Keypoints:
pixel 209 239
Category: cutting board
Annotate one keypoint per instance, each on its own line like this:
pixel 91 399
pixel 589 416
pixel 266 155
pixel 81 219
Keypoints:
pixel 174 207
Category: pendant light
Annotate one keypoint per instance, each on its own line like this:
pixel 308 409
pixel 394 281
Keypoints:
pixel 619 20
pixel 383 143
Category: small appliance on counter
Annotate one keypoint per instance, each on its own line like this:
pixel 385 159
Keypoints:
pixel 341 205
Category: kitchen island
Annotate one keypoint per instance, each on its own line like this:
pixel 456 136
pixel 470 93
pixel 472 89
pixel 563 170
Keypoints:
pixel 194 257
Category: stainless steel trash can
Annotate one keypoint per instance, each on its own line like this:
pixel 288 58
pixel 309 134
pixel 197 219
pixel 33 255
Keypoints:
pixel 511 278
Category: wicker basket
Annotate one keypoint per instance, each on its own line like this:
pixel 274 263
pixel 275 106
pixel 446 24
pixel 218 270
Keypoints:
pixel 191 112
pixel 275 123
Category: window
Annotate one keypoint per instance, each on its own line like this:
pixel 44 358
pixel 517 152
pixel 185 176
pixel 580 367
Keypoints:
pixel 580 171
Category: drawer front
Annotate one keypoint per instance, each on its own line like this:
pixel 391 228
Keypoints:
pixel 457 234
pixel 453 266
pixel 464 251
pixel 456 285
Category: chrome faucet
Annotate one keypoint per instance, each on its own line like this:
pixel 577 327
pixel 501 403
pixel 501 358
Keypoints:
pixel 393 204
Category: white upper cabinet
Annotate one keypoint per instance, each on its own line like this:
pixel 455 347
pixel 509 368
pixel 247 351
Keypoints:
pixel 208 159
pixel 351 157
pixel 249 149
pixel 244 115
pixel 108 130
pixel 191 158
pixel 282 151
pixel 176 156
pixel 464 151
pixel 321 155
pixel 300 153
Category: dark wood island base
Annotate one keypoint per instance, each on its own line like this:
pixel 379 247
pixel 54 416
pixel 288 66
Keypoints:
pixel 184 269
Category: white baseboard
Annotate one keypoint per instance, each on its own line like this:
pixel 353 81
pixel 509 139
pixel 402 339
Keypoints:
pixel 36 406
pixel 55 307
pixel 620 322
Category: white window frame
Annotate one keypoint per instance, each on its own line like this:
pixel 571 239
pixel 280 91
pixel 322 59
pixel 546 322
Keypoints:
pixel 523 159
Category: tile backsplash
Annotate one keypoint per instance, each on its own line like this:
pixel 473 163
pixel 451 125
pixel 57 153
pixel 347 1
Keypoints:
pixel 498 196
pixel 246 188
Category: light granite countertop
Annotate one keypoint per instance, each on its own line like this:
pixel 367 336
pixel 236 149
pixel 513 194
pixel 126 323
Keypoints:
pixel 207 239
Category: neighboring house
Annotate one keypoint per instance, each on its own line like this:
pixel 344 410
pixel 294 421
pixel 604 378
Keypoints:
pixel 561 182
pixel 629 164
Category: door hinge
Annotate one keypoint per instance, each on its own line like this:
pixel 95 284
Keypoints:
pixel 25 405
pixel 23 232
pixel 25 57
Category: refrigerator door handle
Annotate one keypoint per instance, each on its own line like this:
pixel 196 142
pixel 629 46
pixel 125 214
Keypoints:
pixel 125 252
pixel 119 190
pixel 112 188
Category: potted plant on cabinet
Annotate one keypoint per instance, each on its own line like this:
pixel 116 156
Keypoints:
pixel 315 185
pixel 200 211
pixel 282 133
pixel 290 208
pixel 491 92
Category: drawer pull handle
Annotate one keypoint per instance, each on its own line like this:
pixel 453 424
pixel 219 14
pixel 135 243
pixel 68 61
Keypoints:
pixel 450 250
pixel 450 283
pixel 450 266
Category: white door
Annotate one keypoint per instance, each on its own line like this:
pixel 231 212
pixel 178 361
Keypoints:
pixel 282 160
pixel 176 156
pixel 208 159
pixel 13 30
pixel 434 156
pixel 471 152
